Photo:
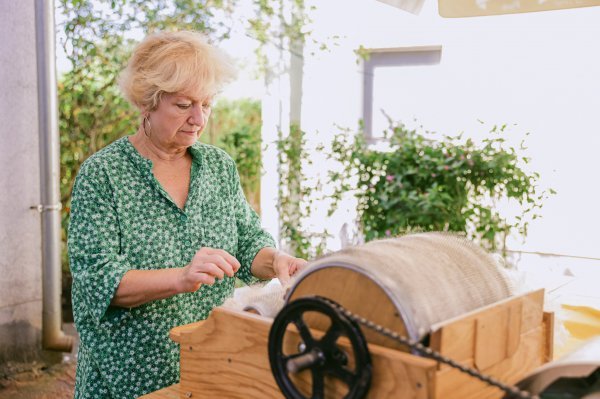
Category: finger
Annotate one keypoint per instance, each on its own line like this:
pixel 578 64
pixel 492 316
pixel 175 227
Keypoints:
pixel 196 280
pixel 204 258
pixel 283 274
pixel 229 258
pixel 221 263
pixel 204 278
pixel 209 268
pixel 292 269
pixel 203 251
pixel 299 265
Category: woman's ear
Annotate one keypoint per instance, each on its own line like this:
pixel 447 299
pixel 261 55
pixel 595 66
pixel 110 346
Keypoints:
pixel 144 110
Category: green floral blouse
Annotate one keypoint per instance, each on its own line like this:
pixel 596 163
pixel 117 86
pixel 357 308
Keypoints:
pixel 122 219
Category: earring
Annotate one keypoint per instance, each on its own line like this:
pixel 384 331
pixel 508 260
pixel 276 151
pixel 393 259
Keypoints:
pixel 147 120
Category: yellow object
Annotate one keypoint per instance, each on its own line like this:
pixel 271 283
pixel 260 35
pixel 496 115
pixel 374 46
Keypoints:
pixel 472 8
pixel 581 323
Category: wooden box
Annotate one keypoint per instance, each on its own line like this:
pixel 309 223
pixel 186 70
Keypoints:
pixel 226 355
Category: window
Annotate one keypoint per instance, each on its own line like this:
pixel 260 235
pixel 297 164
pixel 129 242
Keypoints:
pixel 393 81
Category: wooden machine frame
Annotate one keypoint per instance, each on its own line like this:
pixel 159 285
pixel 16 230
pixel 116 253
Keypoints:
pixel 226 355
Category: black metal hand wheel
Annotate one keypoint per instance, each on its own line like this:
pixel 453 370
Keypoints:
pixel 322 356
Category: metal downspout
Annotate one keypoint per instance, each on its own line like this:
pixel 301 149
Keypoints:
pixel 53 338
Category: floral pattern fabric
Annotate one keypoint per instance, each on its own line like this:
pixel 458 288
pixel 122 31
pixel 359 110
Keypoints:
pixel 122 219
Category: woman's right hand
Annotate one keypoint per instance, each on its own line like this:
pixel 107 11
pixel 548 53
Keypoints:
pixel 207 265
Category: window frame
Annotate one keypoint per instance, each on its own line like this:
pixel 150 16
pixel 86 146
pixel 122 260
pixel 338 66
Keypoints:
pixel 385 58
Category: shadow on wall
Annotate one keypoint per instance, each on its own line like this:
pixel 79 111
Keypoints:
pixel 16 348
pixel 67 306
pixel 32 373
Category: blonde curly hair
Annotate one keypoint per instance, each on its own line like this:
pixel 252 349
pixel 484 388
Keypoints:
pixel 174 62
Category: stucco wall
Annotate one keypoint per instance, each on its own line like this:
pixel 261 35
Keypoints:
pixel 20 258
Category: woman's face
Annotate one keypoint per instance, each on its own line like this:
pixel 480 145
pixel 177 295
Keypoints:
pixel 179 120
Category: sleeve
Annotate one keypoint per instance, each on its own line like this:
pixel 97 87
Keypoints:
pixel 94 235
pixel 251 236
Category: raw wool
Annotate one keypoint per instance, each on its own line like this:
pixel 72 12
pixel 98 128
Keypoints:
pixel 263 299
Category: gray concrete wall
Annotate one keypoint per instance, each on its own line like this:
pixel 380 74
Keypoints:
pixel 20 231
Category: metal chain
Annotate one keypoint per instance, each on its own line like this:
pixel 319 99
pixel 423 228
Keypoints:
pixel 514 391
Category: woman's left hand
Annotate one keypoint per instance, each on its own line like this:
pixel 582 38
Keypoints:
pixel 285 265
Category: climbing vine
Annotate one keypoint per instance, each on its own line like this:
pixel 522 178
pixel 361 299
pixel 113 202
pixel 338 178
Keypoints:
pixel 296 196
pixel 283 25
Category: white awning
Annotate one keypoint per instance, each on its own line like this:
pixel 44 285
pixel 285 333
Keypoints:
pixel 412 6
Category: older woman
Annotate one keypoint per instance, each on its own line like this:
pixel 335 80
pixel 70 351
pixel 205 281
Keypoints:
pixel 159 224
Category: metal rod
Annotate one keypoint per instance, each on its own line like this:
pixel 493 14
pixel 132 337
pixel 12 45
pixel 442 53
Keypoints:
pixel 551 254
pixel 304 361
pixel 53 338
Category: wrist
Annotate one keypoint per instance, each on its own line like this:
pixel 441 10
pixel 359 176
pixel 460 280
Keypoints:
pixel 178 277
pixel 263 265
pixel 274 258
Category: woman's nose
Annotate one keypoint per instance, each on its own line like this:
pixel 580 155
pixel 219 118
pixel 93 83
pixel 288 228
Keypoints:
pixel 197 116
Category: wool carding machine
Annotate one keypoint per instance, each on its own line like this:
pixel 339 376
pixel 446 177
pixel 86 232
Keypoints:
pixel 421 316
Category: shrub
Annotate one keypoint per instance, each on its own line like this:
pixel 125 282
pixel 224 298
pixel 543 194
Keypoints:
pixel 449 184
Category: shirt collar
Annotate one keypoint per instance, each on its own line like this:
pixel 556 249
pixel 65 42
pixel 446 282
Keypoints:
pixel 196 153
pixel 133 154
pixel 146 164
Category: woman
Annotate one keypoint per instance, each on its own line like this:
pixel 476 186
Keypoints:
pixel 159 225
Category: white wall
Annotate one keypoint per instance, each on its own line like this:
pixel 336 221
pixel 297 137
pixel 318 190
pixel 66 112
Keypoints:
pixel 539 71
pixel 20 241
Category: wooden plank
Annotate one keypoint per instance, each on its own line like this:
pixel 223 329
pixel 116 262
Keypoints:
pixel 171 392
pixel 456 341
pixel 401 375
pixel 176 332
pixel 491 336
pixel 549 326
pixel 457 337
pixel 453 384
pixel 227 356
pixel 533 310
pixel 395 374
pixel 515 316
pixel 497 334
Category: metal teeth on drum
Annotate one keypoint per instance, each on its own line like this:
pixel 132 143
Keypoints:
pixel 407 284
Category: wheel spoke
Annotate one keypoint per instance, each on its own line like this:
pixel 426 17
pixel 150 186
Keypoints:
pixel 343 374
pixel 318 384
pixel 304 331
pixel 320 356
pixel 331 335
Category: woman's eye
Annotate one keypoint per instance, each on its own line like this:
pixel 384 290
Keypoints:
pixel 184 106
pixel 206 105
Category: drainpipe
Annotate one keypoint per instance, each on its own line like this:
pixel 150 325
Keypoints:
pixel 53 338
